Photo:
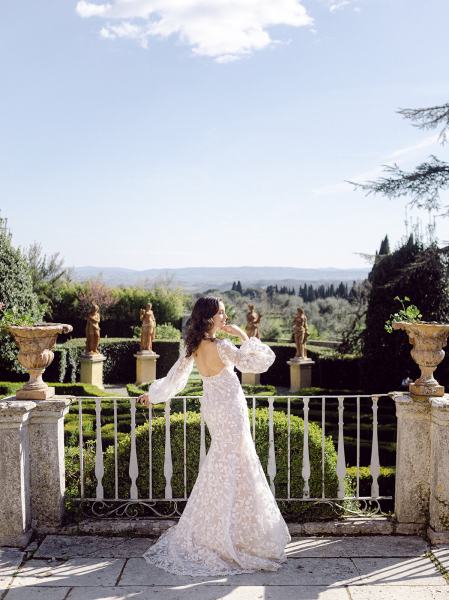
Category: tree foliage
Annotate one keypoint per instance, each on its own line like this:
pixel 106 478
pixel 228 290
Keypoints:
pixel 421 274
pixel 16 295
pixel 424 184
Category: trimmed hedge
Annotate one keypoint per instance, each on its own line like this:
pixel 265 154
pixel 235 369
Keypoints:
pixel 386 480
pixel 196 389
pixel 120 364
pixel 8 388
pixel 193 448
pixel 338 372
pixel 329 371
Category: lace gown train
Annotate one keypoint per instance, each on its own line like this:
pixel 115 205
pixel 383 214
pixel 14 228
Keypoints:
pixel 231 523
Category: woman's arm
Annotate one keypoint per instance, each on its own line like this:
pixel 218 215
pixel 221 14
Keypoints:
pixel 235 330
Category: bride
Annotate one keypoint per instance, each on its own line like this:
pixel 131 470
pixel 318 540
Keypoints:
pixel 231 523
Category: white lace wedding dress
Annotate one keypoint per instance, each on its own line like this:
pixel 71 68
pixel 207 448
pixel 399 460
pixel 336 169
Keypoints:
pixel 231 523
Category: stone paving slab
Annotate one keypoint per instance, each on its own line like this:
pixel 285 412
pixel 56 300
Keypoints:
pixel 307 571
pixel 10 559
pixel 381 546
pixel 72 572
pixel 70 546
pixel 210 592
pixel 419 571
pixel 38 593
pixel 384 592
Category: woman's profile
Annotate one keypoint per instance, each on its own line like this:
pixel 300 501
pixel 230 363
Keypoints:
pixel 231 523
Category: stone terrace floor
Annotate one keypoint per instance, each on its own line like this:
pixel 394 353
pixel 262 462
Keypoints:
pixel 334 568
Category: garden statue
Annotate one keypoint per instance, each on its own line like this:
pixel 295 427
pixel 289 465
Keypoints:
pixel 301 333
pixel 252 322
pixel 93 330
pixel 148 332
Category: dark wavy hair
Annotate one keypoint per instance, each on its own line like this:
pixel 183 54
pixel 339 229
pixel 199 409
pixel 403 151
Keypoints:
pixel 200 321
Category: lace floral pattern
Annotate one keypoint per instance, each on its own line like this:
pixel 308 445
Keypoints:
pixel 176 379
pixel 252 357
pixel 231 523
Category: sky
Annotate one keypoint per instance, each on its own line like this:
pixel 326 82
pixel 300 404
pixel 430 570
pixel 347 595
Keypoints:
pixel 169 133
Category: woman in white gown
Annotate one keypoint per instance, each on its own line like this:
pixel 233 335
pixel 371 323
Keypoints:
pixel 231 523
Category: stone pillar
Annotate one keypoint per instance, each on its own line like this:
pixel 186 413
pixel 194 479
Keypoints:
pixel 438 531
pixel 412 490
pixel 250 378
pixel 145 366
pixel 92 369
pixel 47 475
pixel 15 507
pixel 300 373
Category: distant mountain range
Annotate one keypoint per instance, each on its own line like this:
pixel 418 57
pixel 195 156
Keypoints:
pixel 200 279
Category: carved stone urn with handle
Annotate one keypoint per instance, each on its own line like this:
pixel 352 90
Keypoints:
pixel 428 340
pixel 36 345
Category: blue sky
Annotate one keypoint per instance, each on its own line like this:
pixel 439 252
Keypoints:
pixel 141 134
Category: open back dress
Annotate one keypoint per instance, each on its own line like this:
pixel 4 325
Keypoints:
pixel 231 523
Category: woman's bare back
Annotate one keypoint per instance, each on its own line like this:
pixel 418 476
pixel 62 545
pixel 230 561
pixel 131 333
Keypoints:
pixel 207 359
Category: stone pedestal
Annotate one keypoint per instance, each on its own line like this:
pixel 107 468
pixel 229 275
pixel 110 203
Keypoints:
pixel 438 530
pixel 47 465
pixel 300 373
pixel 92 369
pixel 250 378
pixel 15 506
pixel 38 394
pixel 412 491
pixel 145 366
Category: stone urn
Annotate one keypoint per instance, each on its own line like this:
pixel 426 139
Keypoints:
pixel 428 340
pixel 36 345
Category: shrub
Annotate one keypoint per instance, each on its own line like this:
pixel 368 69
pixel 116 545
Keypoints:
pixel 72 474
pixel 166 331
pixel 16 294
pixel 386 480
pixel 121 317
pixel 192 453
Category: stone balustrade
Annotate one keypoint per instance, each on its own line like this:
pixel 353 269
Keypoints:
pixel 32 470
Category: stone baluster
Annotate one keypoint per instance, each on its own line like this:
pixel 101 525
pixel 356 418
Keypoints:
pixel 438 531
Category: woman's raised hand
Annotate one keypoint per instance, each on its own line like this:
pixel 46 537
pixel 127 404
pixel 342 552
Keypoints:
pixel 144 399
pixel 235 330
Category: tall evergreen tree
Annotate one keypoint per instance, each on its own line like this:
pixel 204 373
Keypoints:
pixel 414 271
pixel 384 246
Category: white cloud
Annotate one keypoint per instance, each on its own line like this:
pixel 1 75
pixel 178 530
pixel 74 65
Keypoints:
pixel 406 151
pixel 222 29
pixel 339 4
pixel 402 155
pixel 125 30
pixel 87 9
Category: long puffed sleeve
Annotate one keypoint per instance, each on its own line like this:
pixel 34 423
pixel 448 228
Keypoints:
pixel 162 390
pixel 252 357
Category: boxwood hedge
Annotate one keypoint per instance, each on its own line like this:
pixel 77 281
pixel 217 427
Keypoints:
pixel 192 454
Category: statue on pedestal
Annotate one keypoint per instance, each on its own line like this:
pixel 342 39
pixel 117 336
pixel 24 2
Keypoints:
pixel 148 332
pixel 252 322
pixel 93 330
pixel 301 333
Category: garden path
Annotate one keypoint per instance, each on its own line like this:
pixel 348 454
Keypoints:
pixel 62 567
